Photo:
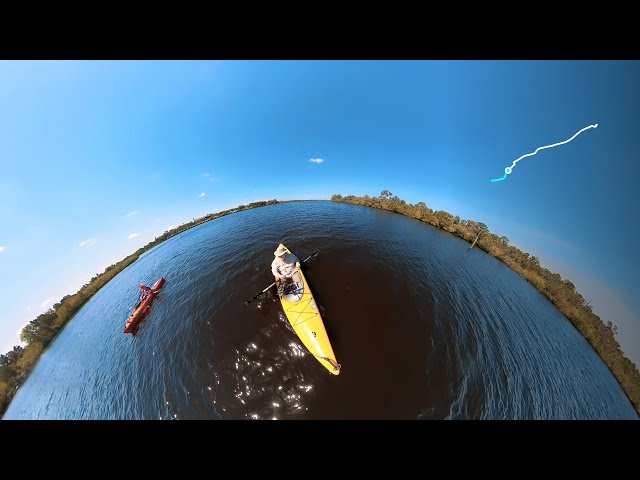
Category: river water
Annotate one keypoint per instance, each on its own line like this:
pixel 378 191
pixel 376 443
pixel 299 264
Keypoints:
pixel 421 332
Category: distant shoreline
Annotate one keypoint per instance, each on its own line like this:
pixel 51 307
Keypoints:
pixel 16 365
pixel 560 292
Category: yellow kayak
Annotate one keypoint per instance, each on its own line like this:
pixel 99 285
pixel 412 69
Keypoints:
pixel 303 315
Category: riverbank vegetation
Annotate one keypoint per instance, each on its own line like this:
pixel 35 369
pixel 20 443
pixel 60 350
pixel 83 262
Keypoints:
pixel 16 365
pixel 561 292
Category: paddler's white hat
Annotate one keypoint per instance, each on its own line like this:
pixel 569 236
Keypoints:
pixel 280 251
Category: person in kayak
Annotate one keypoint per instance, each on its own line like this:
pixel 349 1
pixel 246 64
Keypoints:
pixel 285 268
pixel 146 291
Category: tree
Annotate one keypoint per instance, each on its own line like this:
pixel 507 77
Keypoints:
pixel 12 356
pixel 386 194
pixel 39 330
pixel 445 219
pixel 481 227
pixel 505 240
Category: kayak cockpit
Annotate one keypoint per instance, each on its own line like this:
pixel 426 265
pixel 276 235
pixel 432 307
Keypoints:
pixel 294 292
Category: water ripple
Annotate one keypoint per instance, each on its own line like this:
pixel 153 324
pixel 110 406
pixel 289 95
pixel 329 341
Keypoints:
pixel 421 332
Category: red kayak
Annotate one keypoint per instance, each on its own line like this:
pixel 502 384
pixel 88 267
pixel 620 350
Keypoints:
pixel 142 310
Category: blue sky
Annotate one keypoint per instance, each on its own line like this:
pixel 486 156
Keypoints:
pixel 92 153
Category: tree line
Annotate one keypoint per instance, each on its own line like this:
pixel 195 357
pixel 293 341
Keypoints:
pixel 561 292
pixel 16 365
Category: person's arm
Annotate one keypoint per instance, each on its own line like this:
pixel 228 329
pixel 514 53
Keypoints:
pixel 274 270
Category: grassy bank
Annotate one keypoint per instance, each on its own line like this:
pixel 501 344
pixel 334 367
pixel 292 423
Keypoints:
pixel 561 292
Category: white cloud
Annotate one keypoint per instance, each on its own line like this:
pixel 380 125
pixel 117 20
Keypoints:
pixel 210 177
pixel 317 160
pixel 202 194
pixel 88 243
pixel 134 235
pixel 131 214
pixel 47 303
pixel 2 249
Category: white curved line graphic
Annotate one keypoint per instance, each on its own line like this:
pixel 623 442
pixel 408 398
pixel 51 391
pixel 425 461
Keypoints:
pixel 508 170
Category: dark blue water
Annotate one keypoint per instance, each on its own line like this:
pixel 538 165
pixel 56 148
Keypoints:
pixel 421 332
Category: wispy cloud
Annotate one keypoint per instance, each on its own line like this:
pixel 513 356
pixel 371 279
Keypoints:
pixel 131 214
pixel 202 194
pixel 210 177
pixel 2 249
pixel 170 227
pixel 47 303
pixel 88 243
pixel 134 235
pixel 317 160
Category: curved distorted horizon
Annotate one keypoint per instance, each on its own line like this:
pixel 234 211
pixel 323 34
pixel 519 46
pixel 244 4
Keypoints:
pixel 100 158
